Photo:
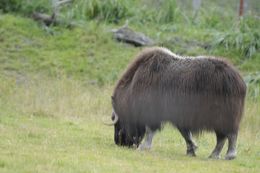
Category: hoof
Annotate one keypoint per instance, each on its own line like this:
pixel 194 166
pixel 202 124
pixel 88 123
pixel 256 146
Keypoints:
pixel 191 151
pixel 214 156
pixel 195 147
pixel 191 154
pixel 231 155
pixel 143 148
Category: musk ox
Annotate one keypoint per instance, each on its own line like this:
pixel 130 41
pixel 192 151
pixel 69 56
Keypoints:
pixel 194 94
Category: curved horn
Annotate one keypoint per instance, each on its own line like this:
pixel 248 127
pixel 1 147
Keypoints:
pixel 114 121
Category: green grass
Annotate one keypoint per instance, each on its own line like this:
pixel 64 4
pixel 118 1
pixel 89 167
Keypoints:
pixel 55 125
pixel 89 52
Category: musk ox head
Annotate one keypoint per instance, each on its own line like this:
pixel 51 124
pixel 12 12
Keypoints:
pixel 126 134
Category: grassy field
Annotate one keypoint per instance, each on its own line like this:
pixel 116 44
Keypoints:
pixel 56 83
pixel 56 126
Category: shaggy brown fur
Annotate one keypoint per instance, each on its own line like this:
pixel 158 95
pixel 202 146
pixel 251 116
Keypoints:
pixel 195 93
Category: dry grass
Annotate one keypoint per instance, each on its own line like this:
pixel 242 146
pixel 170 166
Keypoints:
pixel 61 97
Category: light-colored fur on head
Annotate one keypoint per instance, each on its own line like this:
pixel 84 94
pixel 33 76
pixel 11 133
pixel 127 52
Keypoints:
pixel 169 52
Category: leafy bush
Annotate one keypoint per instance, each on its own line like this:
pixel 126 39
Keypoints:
pixel 240 37
pixel 25 7
pixel 9 5
pixel 168 11
pixel 253 84
pixel 109 10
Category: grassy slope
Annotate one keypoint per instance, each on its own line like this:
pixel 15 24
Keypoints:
pixel 87 52
pixel 52 123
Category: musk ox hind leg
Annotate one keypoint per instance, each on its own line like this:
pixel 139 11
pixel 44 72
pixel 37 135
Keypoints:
pixel 191 146
pixel 147 142
pixel 221 138
pixel 231 152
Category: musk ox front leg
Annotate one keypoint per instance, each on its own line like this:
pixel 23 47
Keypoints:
pixel 191 146
pixel 231 152
pixel 221 138
pixel 147 142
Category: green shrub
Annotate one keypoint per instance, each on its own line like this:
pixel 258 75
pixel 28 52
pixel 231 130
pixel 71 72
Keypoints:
pixel 241 37
pixel 9 5
pixel 168 12
pixel 253 85
pixel 109 10
pixel 25 7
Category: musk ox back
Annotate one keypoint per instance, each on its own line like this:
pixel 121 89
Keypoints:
pixel 192 93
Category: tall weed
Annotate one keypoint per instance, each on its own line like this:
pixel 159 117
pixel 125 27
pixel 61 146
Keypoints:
pixel 167 12
pixel 241 37
pixel 253 85
pixel 109 10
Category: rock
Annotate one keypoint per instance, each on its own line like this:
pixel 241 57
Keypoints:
pixel 127 35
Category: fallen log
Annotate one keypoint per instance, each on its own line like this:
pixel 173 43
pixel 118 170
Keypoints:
pixel 127 35
pixel 45 18
pixel 51 19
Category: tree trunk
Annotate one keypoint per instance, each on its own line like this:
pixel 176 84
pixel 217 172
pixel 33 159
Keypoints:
pixel 196 5
pixel 241 8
